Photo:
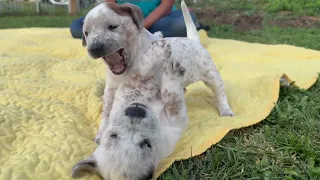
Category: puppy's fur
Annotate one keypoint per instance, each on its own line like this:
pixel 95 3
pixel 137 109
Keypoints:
pixel 115 33
pixel 147 119
pixel 139 125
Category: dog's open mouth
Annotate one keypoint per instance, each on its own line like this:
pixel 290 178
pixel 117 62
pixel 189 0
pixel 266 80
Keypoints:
pixel 116 62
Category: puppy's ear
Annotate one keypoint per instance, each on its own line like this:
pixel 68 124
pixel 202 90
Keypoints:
pixel 129 9
pixel 84 42
pixel 88 165
pixel 135 12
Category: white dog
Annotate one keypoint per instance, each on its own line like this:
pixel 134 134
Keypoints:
pixel 115 33
pixel 141 124
pixel 147 119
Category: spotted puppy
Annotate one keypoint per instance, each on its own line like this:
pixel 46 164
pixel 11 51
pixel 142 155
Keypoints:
pixel 115 33
pixel 147 119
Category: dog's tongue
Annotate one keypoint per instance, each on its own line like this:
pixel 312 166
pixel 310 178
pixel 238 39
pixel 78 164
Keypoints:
pixel 117 67
pixel 116 60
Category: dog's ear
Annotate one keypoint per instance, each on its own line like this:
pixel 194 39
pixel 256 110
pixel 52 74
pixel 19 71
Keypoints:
pixel 129 9
pixel 88 165
pixel 84 42
pixel 135 12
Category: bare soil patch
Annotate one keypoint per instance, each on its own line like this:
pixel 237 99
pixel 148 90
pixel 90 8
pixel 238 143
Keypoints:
pixel 301 22
pixel 243 22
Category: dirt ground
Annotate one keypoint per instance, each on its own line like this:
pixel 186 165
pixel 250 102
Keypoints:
pixel 243 22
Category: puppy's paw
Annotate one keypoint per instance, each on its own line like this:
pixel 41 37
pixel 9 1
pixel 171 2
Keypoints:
pixel 162 49
pixel 173 75
pixel 177 69
pixel 284 82
pixel 225 111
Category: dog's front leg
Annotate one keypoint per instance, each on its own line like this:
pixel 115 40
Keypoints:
pixel 172 94
pixel 108 99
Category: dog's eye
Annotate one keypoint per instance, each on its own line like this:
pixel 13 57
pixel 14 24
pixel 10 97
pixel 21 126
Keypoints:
pixel 112 27
pixel 86 33
pixel 145 143
pixel 113 135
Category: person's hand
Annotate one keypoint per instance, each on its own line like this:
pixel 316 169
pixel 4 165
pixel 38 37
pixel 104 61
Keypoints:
pixel 162 10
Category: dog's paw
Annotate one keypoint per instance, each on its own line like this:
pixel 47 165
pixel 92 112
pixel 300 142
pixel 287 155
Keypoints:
pixel 284 82
pixel 177 69
pixel 225 111
pixel 162 49
pixel 174 70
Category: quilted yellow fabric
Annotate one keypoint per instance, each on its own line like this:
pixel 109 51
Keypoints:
pixel 50 98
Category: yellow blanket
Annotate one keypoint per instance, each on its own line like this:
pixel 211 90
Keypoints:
pixel 50 98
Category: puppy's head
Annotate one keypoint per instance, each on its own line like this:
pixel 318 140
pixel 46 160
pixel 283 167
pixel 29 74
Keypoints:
pixel 108 31
pixel 129 147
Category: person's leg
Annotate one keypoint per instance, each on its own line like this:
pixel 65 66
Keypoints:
pixel 76 28
pixel 172 25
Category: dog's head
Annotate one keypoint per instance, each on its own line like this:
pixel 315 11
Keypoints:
pixel 108 31
pixel 129 147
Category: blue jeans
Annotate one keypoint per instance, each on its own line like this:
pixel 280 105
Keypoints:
pixel 171 25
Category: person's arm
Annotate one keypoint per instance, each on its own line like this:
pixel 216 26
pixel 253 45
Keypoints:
pixel 163 9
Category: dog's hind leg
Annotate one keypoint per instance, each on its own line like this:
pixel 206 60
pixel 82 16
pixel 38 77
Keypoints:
pixel 213 80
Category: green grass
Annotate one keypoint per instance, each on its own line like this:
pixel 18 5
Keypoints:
pixel 307 38
pixel 300 7
pixel 29 8
pixel 11 9
pixel 227 5
pixel 308 7
pixel 286 145
pixel 35 21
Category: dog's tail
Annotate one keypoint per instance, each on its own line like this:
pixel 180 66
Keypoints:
pixel 192 32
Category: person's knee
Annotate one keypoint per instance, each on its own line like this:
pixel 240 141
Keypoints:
pixel 179 14
pixel 178 29
pixel 173 25
pixel 178 26
pixel 76 28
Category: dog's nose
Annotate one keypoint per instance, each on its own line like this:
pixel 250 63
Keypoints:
pixel 97 49
pixel 136 110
